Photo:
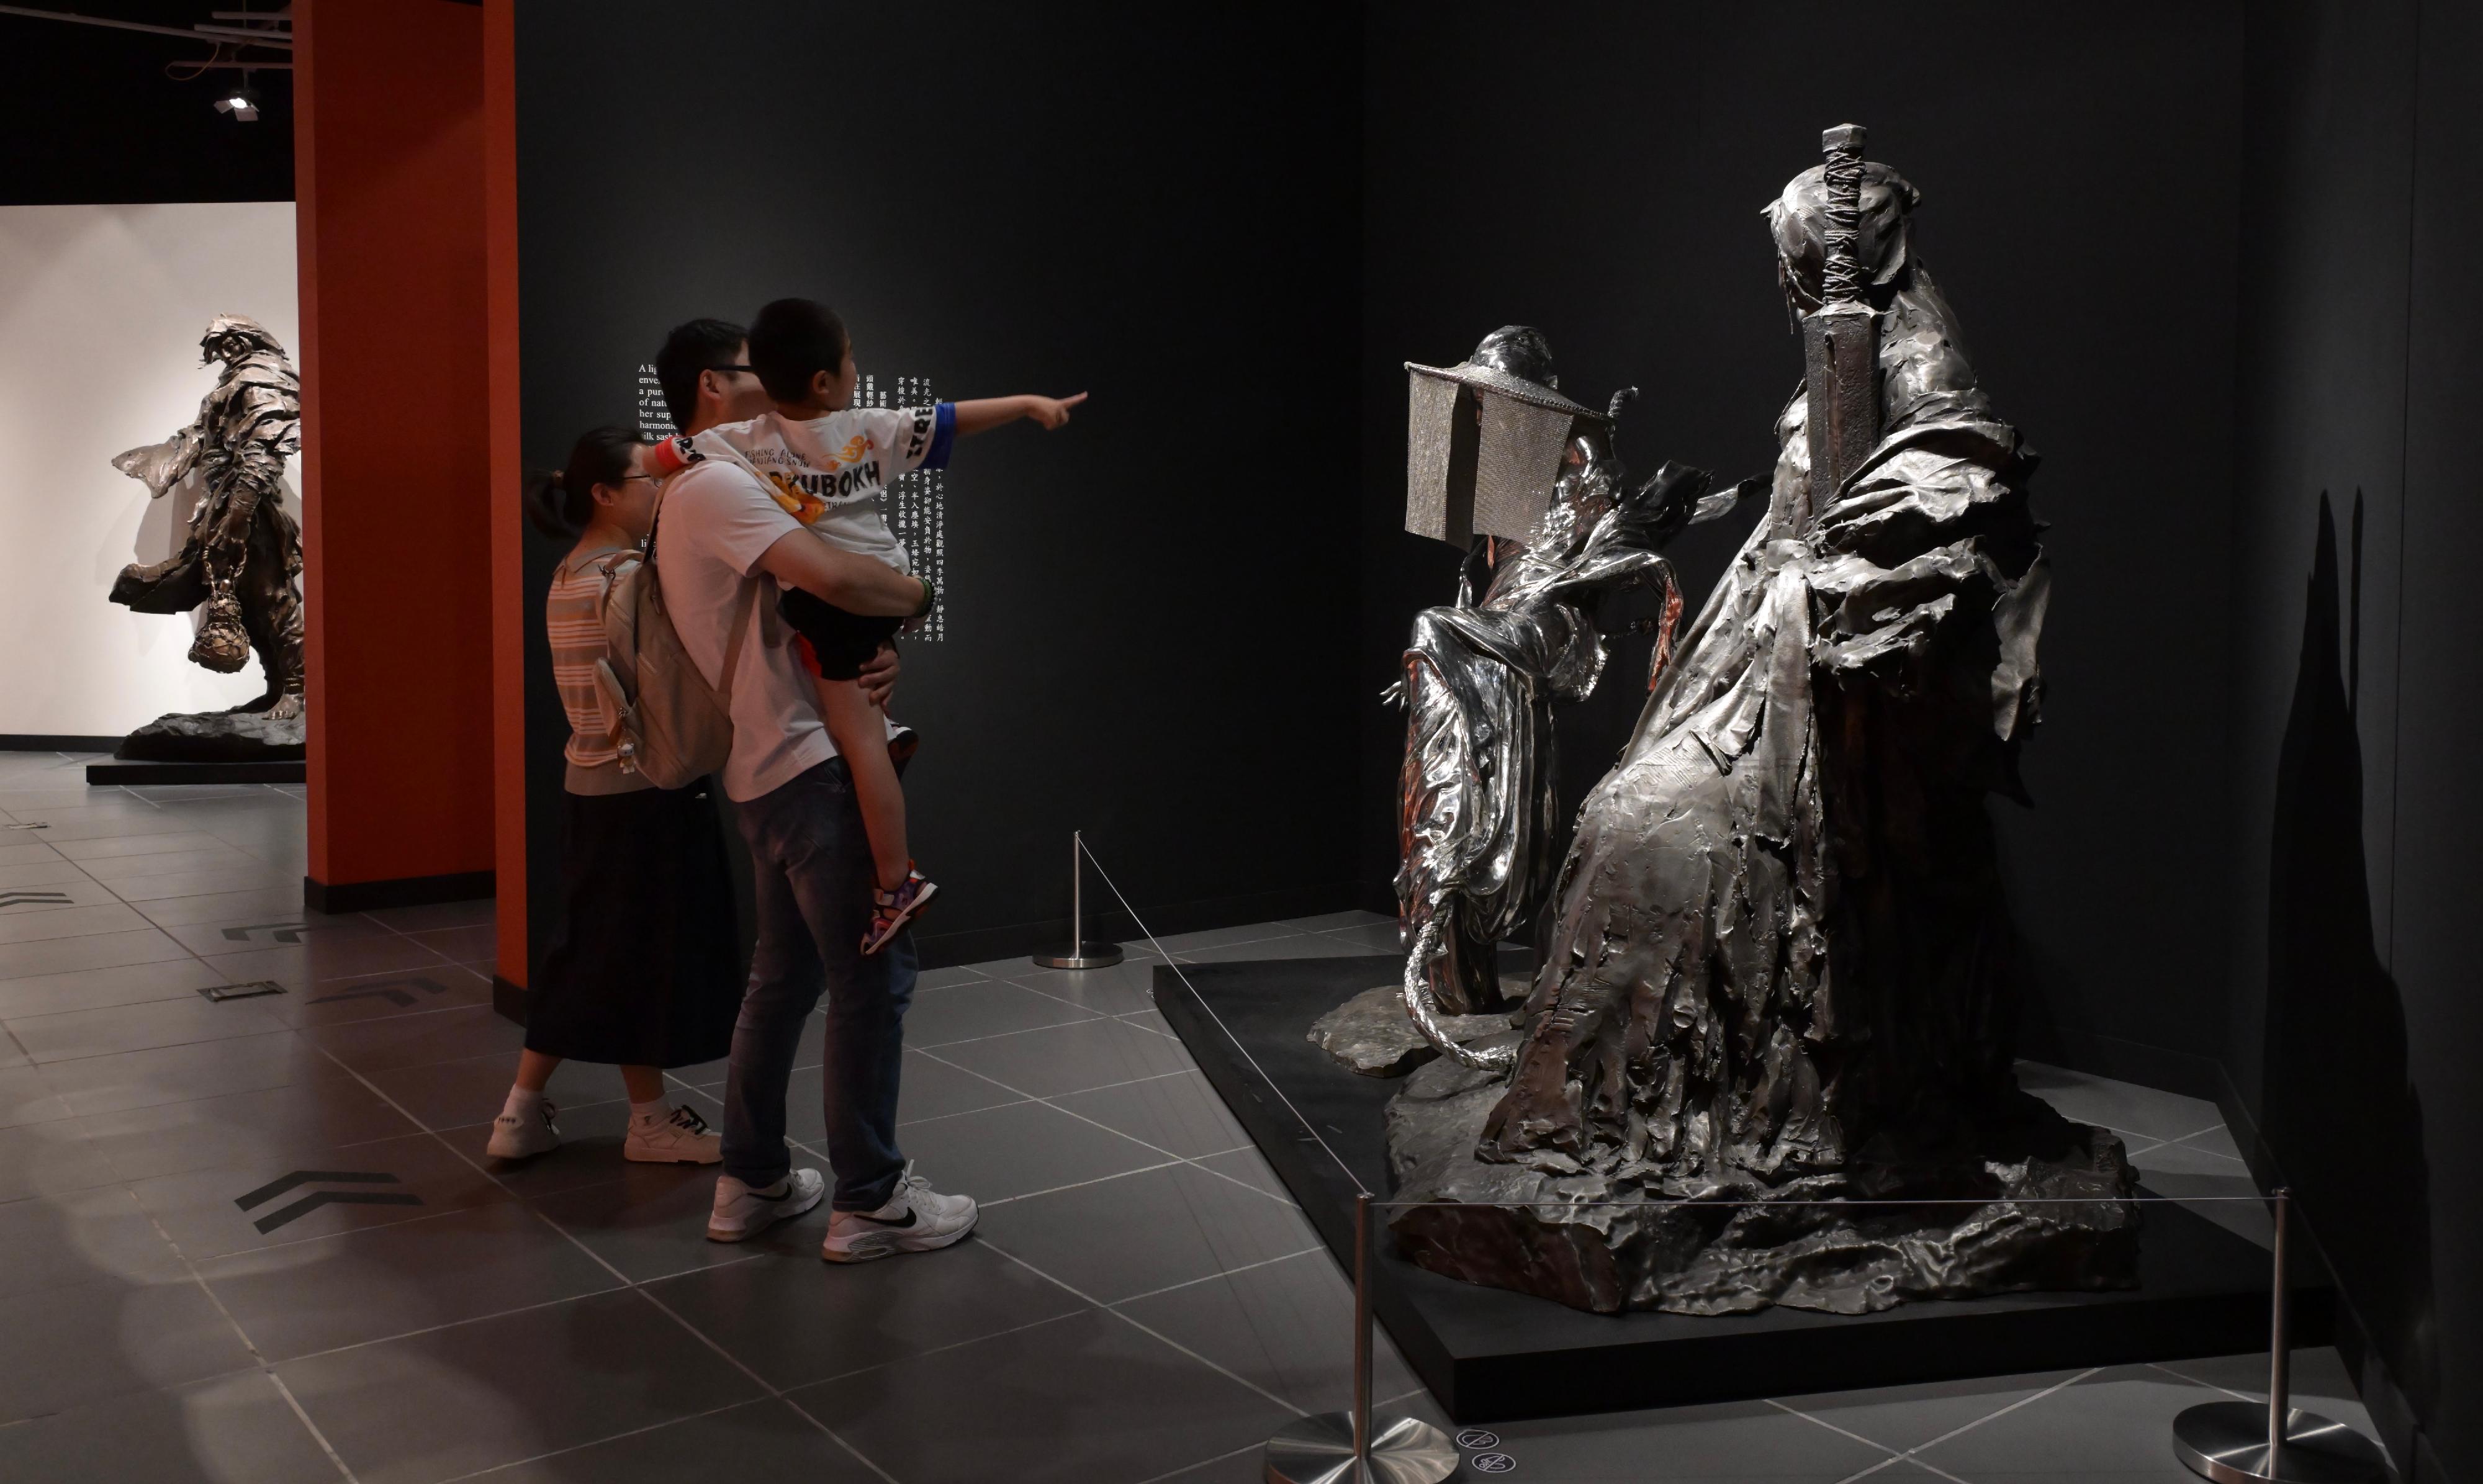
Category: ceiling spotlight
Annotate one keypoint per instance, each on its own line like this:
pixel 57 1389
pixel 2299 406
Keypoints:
pixel 241 103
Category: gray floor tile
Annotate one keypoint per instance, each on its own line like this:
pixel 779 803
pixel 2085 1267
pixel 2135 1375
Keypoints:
pixel 207 1069
pixel 71 922
pixel 2115 1424
pixel 163 1022
pixel 262 904
pixel 1119 1239
pixel 236 1429
pixel 1009 1151
pixel 93 989
pixel 417 1039
pixel 1185 944
pixel 943 978
pixel 931 1088
pixel 1285 1327
pixel 1328 922
pixel 1901 1418
pixel 1016 967
pixel 763 1440
pixel 61 825
pixel 200 882
pixel 253 931
pixel 2318 1382
pixel 81 1239
pixel 461 944
pixel 264 1128
pixel 50 1158
pixel 452 1095
pixel 969 1012
pixel 1307 945
pixel 652 1223
pixel 12 1054
pixel 32 850
pixel 2122 1105
pixel 796 1319
pixel 298 966
pixel 31 879
pixel 809 1053
pixel 213 855
pixel 1738 1441
pixel 1122 987
pixel 591 1135
pixel 1251 1168
pixel 1067 1058
pixel 1086 1398
pixel 199 1210
pixel 379 996
pixel 86 950
pixel 1180 1114
pixel 347 1289
pixel 1372 938
pixel 72 1346
pixel 1152 1021
pixel 113 846
pixel 25 1098
pixel 480 912
pixel 454 1401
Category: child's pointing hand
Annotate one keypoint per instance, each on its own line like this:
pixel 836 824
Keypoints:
pixel 1051 411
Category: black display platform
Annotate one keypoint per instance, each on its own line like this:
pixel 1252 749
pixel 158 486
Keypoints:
pixel 1489 1355
pixel 121 774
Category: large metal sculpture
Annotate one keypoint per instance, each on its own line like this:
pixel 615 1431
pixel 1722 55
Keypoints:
pixel 1479 794
pixel 242 555
pixel 1777 984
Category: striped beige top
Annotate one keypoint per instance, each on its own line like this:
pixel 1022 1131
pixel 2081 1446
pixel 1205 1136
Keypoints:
pixel 573 621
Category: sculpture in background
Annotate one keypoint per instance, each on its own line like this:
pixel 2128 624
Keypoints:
pixel 1499 453
pixel 1777 985
pixel 242 556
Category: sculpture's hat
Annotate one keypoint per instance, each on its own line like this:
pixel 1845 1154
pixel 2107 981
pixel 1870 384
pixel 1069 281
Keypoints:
pixel 1484 438
pixel 241 325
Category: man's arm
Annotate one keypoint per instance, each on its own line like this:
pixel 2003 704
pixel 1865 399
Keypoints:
pixel 989 412
pixel 856 583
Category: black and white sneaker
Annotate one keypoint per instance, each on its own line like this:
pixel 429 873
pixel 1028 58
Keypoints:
pixel 525 1135
pixel 741 1213
pixel 914 1219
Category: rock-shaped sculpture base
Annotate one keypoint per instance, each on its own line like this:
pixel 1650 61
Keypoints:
pixel 215 736
pixel 1834 1242
pixel 1370 1033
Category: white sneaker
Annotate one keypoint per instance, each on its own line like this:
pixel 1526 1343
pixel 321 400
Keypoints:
pixel 741 1213
pixel 914 1219
pixel 519 1136
pixel 683 1138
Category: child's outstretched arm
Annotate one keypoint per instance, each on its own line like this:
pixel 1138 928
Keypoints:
pixel 989 412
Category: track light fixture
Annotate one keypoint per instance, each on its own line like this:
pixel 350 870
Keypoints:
pixel 240 103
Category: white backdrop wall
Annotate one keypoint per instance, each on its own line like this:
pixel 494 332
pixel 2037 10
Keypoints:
pixel 100 313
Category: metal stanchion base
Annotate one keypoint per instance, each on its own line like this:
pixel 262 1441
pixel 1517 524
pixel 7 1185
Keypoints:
pixel 1320 1451
pixel 2227 1441
pixel 1078 955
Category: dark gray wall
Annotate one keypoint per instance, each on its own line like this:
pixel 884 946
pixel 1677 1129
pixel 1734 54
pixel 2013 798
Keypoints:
pixel 2355 1019
pixel 2078 167
pixel 1152 610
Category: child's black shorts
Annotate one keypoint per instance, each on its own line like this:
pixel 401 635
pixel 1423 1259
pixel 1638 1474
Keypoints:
pixel 840 642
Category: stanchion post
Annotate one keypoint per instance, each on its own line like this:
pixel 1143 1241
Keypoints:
pixel 1362 1338
pixel 1079 952
pixel 2280 1340
pixel 2235 1442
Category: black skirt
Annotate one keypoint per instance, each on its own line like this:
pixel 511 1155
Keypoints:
pixel 643 968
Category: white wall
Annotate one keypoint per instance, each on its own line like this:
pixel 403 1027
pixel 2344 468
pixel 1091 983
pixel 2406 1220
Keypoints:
pixel 100 313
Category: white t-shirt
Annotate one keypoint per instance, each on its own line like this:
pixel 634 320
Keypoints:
pixel 829 473
pixel 715 523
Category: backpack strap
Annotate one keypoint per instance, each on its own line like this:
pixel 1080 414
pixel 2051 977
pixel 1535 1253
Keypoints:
pixel 740 610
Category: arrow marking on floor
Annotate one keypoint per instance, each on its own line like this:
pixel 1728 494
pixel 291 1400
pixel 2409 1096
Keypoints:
pixel 319 1198
pixel 21 898
pixel 280 932
pixel 394 991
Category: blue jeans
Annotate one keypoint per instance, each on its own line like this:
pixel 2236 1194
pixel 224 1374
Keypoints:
pixel 810 864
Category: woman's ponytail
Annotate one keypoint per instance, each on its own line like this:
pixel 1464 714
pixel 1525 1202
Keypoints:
pixel 561 502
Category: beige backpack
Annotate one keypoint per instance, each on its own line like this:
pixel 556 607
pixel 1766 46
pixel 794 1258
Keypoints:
pixel 668 723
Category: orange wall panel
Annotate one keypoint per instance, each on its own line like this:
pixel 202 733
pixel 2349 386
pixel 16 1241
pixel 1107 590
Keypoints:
pixel 389 171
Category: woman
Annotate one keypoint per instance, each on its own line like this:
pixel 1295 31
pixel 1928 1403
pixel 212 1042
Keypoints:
pixel 642 970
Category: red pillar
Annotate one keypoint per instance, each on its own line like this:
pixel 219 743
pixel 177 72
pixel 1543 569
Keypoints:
pixel 507 492
pixel 389 172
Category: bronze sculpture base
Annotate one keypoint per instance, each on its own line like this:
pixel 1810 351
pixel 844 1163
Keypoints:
pixel 1818 1242
pixel 217 736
